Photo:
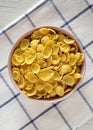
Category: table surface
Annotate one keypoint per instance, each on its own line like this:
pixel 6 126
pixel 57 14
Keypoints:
pixel 9 11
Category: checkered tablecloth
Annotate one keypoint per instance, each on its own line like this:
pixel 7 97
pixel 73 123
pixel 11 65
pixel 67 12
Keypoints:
pixel 18 113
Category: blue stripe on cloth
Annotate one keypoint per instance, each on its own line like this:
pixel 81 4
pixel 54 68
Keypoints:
pixel 42 113
pixel 8 101
pixel 37 7
pixel 9 39
pixel 7 84
pixel 15 23
pixel 89 80
pixel 39 115
pixel 24 126
pixel 85 83
pixel 12 25
pixel 78 40
pixel 88 44
pixel 27 114
pixel 4 67
pixel 86 1
pixel 76 16
pixel 22 107
pixel 85 47
pixel 45 111
pixel 88 104
pixel 63 117
pixel 30 20
pixel 90 6
pixel 89 56
pixel 6 35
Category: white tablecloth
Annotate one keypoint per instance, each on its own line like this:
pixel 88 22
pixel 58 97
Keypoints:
pixel 18 113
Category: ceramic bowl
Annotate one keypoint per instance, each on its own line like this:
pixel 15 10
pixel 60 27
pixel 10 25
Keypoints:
pixel 26 35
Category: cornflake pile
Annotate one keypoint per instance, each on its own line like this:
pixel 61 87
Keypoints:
pixel 47 64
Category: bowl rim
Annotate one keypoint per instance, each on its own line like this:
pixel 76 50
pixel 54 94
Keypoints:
pixel 26 35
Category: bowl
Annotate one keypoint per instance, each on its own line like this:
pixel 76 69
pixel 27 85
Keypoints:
pixel 67 68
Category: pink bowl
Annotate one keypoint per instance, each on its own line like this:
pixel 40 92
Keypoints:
pixel 29 33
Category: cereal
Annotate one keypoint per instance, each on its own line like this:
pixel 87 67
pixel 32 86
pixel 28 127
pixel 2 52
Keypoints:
pixel 56 76
pixel 55 49
pixel 48 49
pixel 59 91
pixel 61 37
pixel 77 75
pixel 35 68
pixel 31 55
pixel 46 64
pixel 40 48
pixel 42 64
pixel 52 31
pixel 69 41
pixel 18 52
pixel 81 58
pixel 32 92
pixel 31 77
pixel 36 35
pixel 28 86
pixel 55 59
pixel 67 57
pixel 39 56
pixel 45 38
pixel 44 31
pixel 72 59
pixel 65 47
pixel 20 59
pixel 39 85
pixel 24 44
pixel 45 74
pixel 48 87
pixel 52 94
pixel 63 57
pixel 54 36
pixel 16 74
pixel 41 93
pixel 49 61
pixel 21 83
pixel 65 69
pixel 68 90
pixel 34 43
pixel 68 80
pixel 15 62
